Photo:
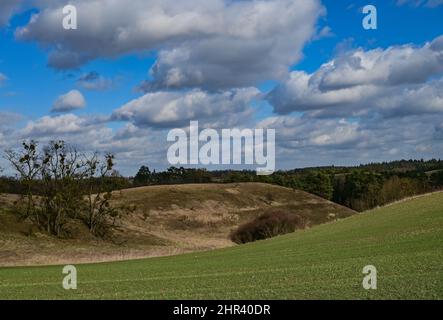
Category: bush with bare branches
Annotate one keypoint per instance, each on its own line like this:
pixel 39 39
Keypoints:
pixel 267 225
pixel 71 185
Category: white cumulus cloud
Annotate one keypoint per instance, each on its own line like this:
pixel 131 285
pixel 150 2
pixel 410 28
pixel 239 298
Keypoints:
pixel 200 43
pixel 395 81
pixel 70 101
pixel 170 109
pixel 7 8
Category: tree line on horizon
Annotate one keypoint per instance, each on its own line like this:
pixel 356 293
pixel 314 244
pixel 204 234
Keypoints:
pixel 359 187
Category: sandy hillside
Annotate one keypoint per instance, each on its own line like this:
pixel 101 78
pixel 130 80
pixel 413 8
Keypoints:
pixel 168 220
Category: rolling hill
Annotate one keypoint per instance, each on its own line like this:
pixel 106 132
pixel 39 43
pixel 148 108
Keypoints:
pixel 404 241
pixel 168 220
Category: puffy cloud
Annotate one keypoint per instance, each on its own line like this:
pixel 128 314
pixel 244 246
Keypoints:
pixel 7 8
pixel 325 32
pixel 396 81
pixel 393 66
pixel 205 43
pixel 70 101
pixel 172 109
pixel 439 131
pixel 434 3
pixel 142 139
pixel 426 98
pixel 304 141
pixel 58 126
pixel 8 118
pixel 251 50
pixel 299 132
pixel 132 146
pixel 94 81
pixel 301 140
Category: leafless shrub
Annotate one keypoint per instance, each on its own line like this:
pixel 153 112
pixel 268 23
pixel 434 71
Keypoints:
pixel 266 226
pixel 70 186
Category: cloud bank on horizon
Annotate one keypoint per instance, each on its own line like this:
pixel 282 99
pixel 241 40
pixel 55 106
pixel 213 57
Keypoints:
pixel 335 93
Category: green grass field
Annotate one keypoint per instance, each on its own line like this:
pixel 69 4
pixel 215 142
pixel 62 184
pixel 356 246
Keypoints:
pixel 404 241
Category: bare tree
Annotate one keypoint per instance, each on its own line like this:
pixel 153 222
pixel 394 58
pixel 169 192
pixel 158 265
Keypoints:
pixel 27 164
pixel 60 177
pixel 70 186
pixel 100 214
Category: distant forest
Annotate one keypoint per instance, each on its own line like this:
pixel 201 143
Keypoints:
pixel 360 188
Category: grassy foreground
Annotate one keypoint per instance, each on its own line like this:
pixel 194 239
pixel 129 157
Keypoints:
pixel 404 241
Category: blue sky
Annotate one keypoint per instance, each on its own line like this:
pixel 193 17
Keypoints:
pixel 121 75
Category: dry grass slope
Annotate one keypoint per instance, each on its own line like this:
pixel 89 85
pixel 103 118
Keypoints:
pixel 168 220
